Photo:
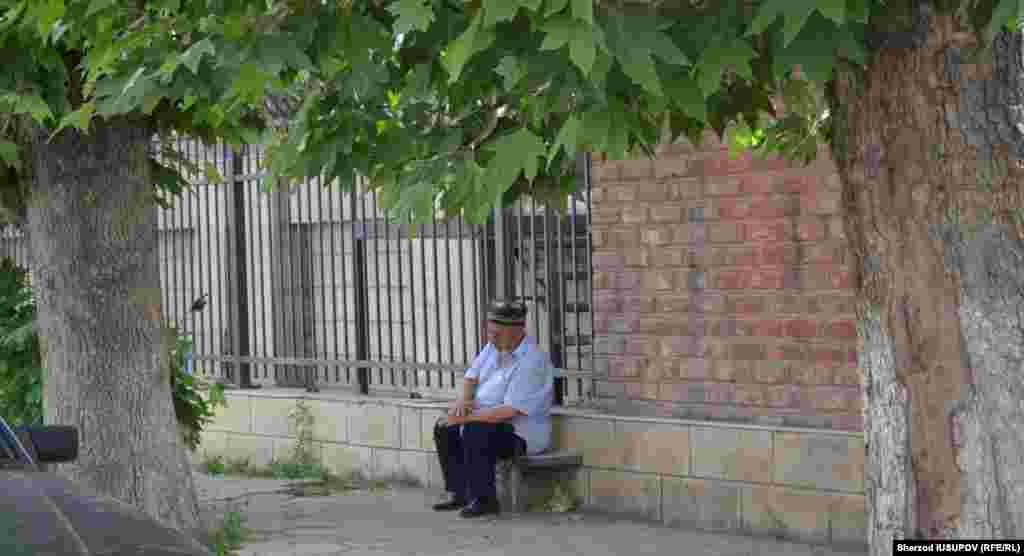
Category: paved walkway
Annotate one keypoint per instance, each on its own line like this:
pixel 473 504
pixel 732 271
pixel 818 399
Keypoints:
pixel 398 521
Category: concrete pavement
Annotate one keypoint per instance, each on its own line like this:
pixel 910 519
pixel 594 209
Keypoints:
pixel 398 520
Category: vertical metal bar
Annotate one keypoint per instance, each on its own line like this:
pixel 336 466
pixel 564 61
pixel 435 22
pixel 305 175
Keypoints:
pixel 232 264
pixel 500 266
pixel 362 339
pixel 322 228
pixel 388 275
pixel 590 258
pixel 437 297
pixel 478 293
pixel 189 193
pixel 210 242
pixel 262 223
pixel 334 283
pixel 241 277
pixel 462 292
pixel 577 304
pixel 344 273
pixel 176 256
pixel 426 319
pixel 312 371
pixel 558 285
pixel 534 262
pixel 521 286
pixel 377 292
pixel 412 304
pixel 450 300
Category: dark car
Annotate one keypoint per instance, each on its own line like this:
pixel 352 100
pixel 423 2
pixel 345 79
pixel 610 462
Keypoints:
pixel 44 514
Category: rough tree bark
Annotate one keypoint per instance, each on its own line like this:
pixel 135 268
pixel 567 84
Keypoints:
pixel 93 236
pixel 930 149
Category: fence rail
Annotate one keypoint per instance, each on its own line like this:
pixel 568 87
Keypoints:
pixel 311 286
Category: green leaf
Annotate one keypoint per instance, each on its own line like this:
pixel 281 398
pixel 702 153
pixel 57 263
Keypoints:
pixel 582 49
pixel 499 10
pixel 9 154
pixel 412 15
pixel 687 94
pixel 463 48
pixel 80 118
pixel 558 32
pixel 515 153
pixel 722 55
pixel 46 13
pixel 555 6
pixel 194 54
pixel 814 50
pixel 794 12
pixel 595 130
pixel 532 5
pixel 635 41
pixel 583 10
pixel 833 9
pixel 567 139
pixel 1003 16
pixel 511 70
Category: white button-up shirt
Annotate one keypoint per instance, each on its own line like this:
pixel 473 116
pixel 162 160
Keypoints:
pixel 523 379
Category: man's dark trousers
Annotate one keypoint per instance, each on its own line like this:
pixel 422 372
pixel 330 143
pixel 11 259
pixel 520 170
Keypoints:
pixel 468 457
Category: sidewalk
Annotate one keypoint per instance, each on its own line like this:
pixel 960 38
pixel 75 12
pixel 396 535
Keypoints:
pixel 398 521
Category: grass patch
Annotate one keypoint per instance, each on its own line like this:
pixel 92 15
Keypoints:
pixel 228 538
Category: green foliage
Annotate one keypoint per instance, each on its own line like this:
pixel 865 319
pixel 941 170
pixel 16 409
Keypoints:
pixel 21 373
pixel 193 410
pixel 227 539
pixel 21 370
pixel 442 106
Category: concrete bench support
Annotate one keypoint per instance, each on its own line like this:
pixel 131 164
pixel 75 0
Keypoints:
pixel 513 489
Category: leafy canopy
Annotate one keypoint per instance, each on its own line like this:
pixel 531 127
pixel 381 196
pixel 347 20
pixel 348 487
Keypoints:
pixel 442 105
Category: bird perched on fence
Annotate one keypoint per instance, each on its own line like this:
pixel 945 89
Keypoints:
pixel 199 304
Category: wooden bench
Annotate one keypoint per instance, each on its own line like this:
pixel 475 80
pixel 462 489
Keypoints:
pixel 512 489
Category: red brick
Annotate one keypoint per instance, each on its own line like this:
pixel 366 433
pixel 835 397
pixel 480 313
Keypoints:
pixel 671 257
pixel 655 372
pixel 621 192
pixel 676 392
pixel 634 215
pixel 623 237
pixel 851 422
pixel 598 238
pixel 759 183
pixel 846 375
pixel 841 330
pixel 636 169
pixel 836 228
pixel 803 373
pixel 606 215
pixel 799 184
pixel 639 256
pixel 822 203
pixel 770 372
pixel 767 328
pixel 766 279
pixel 731 279
pixel 626 367
pixel 801 329
pixel 611 261
pixel 597 195
pixel 766 230
pixel 826 356
pixel 750 394
pixel 601 325
pixel 832 181
pixel 734 208
pixel 835 398
pixel 693 234
pixel 669 167
pixel 607 302
pixel 842 279
pixel 724 232
pixel 639 303
pixel 681 346
pixel 748 352
pixel 785 352
pixel 661 280
pixel 655 323
pixel 652 192
pixel 623 324
pixel 642 345
pixel 667 214
pixel 641 391
pixel 791 304
pixel 777 254
pixel 808 229
pixel 782 396
pixel 694 368
pixel 746 305
pixel 823 253
pixel 604 171
pixel 726 370
pixel 601 280
pixel 725 163
pixel 673 303
pixel 720 393
pixel 657 236
pixel 628 280
pixel 772 207
pixel 687 188
pixel 717 186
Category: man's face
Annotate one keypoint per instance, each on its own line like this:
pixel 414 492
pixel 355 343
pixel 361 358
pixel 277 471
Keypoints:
pixel 505 337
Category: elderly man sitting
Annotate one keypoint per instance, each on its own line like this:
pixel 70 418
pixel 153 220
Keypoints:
pixel 505 411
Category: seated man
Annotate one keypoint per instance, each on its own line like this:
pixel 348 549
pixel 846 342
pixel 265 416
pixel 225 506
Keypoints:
pixel 505 411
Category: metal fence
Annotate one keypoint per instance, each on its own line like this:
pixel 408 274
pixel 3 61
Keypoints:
pixel 310 286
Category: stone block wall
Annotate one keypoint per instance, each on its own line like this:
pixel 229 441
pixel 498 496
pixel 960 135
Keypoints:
pixel 795 483
pixel 723 289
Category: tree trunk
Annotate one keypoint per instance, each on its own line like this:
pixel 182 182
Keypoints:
pixel 93 234
pixel 929 148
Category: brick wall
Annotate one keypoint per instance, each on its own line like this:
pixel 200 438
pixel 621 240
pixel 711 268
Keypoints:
pixel 723 289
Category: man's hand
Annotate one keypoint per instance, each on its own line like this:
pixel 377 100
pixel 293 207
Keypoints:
pixel 461 408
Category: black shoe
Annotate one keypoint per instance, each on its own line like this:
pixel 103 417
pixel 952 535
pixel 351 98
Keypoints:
pixel 481 507
pixel 457 502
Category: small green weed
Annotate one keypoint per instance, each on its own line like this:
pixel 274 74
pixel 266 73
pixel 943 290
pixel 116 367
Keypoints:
pixel 229 537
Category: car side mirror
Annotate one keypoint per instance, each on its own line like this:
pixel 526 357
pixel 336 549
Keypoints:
pixel 52 443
